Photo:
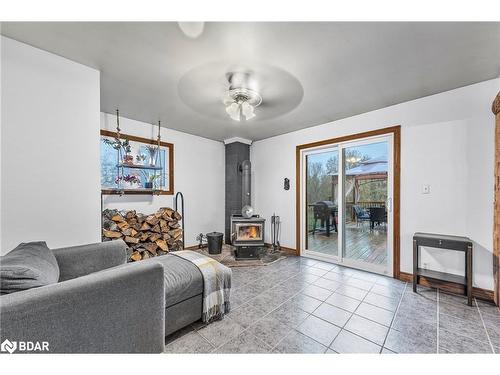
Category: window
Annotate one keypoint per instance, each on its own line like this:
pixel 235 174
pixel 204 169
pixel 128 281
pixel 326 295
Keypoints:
pixel 137 167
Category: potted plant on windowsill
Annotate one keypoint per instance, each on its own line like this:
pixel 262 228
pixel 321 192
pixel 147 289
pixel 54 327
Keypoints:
pixel 140 159
pixel 129 179
pixel 150 181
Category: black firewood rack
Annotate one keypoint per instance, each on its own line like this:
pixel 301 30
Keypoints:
pixel 180 196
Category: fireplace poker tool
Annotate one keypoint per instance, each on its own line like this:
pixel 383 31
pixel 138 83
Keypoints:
pixel 202 241
pixel 275 232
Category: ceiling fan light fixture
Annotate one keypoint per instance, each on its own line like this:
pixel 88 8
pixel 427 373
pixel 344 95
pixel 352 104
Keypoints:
pixel 241 102
pixel 233 110
pixel 247 110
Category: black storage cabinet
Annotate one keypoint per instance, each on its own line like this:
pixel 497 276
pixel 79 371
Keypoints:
pixel 441 241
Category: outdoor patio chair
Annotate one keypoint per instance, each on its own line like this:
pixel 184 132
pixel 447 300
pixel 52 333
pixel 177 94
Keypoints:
pixel 362 214
pixel 378 215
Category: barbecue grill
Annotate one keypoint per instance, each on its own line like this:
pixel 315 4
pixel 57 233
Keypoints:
pixel 325 211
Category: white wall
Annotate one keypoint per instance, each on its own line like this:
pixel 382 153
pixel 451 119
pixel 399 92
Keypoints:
pixel 198 174
pixel 49 148
pixel 50 130
pixel 50 177
pixel 1 64
pixel 447 141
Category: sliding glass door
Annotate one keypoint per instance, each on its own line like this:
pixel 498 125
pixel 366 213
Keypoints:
pixel 347 203
pixel 321 201
pixel 367 177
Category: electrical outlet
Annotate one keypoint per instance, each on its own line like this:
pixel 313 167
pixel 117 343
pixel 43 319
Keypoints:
pixel 426 189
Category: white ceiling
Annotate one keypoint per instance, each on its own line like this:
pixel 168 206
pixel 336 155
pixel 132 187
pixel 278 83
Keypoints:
pixel 312 72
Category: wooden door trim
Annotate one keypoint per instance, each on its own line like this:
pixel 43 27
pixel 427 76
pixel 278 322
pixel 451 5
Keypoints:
pixel 495 108
pixel 396 131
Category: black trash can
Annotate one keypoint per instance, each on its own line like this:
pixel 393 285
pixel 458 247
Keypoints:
pixel 214 240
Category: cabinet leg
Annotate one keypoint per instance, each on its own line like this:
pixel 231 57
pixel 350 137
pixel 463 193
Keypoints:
pixel 469 275
pixel 415 265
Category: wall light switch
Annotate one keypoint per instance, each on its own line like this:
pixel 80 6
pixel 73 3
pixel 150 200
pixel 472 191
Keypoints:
pixel 426 189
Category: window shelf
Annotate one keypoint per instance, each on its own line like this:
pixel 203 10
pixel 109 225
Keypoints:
pixel 113 191
pixel 112 167
pixel 138 166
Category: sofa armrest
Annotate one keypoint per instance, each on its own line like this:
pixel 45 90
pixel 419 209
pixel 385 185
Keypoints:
pixel 82 260
pixel 120 310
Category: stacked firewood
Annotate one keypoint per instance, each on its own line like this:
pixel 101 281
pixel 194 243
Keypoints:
pixel 146 235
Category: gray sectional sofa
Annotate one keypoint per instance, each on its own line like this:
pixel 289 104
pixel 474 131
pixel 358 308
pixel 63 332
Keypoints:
pixel 101 304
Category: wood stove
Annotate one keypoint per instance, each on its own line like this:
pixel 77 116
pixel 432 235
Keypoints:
pixel 247 235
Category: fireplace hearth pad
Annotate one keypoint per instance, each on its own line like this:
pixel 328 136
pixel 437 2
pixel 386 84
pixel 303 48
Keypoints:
pixel 227 257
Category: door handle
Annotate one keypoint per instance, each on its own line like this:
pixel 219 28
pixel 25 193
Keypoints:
pixel 389 204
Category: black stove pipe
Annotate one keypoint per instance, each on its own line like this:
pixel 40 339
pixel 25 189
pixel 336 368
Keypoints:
pixel 246 182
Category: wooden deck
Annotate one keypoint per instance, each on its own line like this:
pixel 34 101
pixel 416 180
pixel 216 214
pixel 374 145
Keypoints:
pixel 361 244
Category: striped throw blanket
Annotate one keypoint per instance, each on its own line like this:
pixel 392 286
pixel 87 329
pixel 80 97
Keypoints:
pixel 217 284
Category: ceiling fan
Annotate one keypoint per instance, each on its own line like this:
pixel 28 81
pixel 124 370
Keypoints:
pixel 241 99
pixel 236 92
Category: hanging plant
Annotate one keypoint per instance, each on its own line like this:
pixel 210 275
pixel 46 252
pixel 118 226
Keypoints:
pixel 116 143
pixel 124 145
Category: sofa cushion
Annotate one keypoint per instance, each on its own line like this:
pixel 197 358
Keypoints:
pixel 183 279
pixel 29 265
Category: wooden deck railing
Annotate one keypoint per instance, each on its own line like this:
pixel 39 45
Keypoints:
pixel 350 213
